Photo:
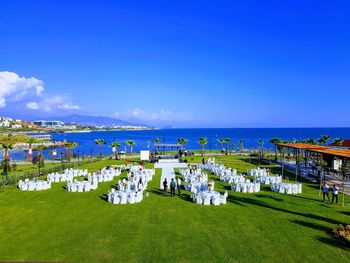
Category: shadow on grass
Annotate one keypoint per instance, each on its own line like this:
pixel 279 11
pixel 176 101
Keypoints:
pixel 345 213
pixel 104 197
pixel 311 225
pixel 332 241
pixel 269 197
pixel 262 204
pixel 232 199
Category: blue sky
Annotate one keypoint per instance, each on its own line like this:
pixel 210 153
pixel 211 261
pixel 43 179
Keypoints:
pixel 181 63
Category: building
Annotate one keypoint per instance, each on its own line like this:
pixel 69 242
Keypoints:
pixel 16 126
pixel 49 124
pixel 4 123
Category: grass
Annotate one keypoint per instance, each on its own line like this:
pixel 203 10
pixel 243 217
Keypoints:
pixel 56 225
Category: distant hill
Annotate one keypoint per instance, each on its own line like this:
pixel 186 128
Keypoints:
pixel 94 120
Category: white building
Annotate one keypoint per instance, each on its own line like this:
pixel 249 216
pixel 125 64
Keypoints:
pixel 16 126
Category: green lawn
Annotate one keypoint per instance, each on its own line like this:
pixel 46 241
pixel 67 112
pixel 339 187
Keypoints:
pixel 56 225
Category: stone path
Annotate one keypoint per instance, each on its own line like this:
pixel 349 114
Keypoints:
pixel 168 170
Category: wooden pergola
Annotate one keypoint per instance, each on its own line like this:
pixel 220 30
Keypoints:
pixel 328 152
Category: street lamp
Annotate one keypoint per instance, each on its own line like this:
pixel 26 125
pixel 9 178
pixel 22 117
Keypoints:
pixel 91 154
pixel 78 155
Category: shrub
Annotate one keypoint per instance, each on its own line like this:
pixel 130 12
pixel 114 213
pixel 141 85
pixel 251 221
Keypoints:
pixel 342 232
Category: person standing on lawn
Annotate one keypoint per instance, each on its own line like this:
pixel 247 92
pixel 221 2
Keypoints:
pixel 165 186
pixel 325 191
pixel 172 187
pixel 178 186
pixel 335 194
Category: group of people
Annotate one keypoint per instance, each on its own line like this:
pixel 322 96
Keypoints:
pixel 173 185
pixel 325 191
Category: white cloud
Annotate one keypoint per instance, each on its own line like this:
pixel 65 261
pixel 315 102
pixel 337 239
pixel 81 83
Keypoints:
pixel 16 87
pixel 32 106
pixel 69 106
pixel 50 103
pixel 161 115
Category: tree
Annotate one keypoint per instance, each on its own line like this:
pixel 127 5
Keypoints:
pixel 130 143
pixel 338 141
pixel 182 142
pixel 100 142
pixel 261 146
pixel 326 138
pixel 6 147
pixel 311 141
pixel 41 162
pixel 203 141
pixel 227 142
pixel 241 146
pixel 31 140
pixel 344 170
pixel 69 146
pixel 322 164
pixel 222 142
pixel 116 145
pixel 275 141
pixel 156 141
pixel 298 160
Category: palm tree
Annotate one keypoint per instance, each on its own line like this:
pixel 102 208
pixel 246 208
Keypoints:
pixel 116 145
pixel 6 147
pixel 310 141
pixel 182 142
pixel 298 160
pixel 156 141
pixel 40 157
pixel 69 146
pixel 241 145
pixel 30 150
pixel 321 141
pixel 326 138
pixel 203 141
pixel 275 141
pixel 338 141
pixel 261 146
pixel 322 164
pixel 130 143
pixel 222 142
pixel 227 141
pixel 100 142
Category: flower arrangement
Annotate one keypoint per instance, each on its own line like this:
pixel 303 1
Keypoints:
pixel 342 232
pixel 209 187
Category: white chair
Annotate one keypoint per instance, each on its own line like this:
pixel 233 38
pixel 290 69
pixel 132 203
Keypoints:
pixel 223 199
pixel 116 199
pixel 131 199
pixel 206 200
pixel 216 201
pixel 31 187
pixel 87 187
pixel 123 199
pixel 74 188
pixel 109 197
pixel 281 190
pixel 199 199
pixel 244 188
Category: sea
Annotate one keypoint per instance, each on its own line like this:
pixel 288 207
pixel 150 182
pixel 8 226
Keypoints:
pixel 143 138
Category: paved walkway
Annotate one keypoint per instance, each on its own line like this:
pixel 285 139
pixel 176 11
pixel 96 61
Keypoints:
pixel 290 166
pixel 168 171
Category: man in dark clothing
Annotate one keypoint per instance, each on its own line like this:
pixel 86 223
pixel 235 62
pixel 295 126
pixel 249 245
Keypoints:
pixel 172 187
pixel 165 186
